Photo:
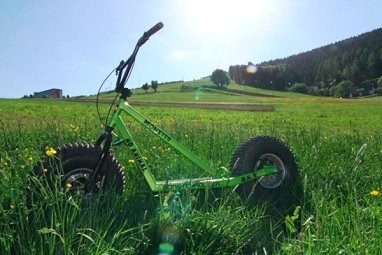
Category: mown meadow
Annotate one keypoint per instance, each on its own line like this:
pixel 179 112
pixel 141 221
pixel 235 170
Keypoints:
pixel 337 143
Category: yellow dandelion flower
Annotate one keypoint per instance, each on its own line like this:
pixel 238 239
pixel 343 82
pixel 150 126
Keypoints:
pixel 69 186
pixel 30 159
pixel 131 161
pixel 50 152
pixel 375 193
pixel 73 128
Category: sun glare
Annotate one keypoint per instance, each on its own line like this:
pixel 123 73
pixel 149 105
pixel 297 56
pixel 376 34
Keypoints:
pixel 224 16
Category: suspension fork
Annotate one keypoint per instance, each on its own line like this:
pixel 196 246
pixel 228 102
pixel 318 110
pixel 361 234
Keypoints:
pixel 104 139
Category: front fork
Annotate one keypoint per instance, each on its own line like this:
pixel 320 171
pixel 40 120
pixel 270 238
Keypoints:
pixel 104 139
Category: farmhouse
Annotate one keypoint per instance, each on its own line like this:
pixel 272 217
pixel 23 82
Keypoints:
pixel 54 93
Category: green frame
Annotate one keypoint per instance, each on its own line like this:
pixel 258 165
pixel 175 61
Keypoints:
pixel 116 122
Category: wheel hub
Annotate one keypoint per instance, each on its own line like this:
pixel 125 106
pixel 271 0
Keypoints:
pixel 271 181
pixel 76 180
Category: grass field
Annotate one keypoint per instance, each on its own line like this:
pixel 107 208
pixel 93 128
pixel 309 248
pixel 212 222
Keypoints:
pixel 337 143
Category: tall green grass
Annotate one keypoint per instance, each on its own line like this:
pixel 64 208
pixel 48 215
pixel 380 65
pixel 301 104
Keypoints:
pixel 337 143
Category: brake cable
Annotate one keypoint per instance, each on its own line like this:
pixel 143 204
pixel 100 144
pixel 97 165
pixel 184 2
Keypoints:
pixel 97 99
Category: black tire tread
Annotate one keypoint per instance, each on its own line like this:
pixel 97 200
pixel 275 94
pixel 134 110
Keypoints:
pixel 287 195
pixel 70 155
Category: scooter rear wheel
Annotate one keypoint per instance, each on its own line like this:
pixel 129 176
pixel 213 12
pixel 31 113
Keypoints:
pixel 281 189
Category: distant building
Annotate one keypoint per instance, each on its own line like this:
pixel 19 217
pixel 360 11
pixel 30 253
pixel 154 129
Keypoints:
pixel 53 93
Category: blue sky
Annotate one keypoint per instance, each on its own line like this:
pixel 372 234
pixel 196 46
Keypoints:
pixel 73 45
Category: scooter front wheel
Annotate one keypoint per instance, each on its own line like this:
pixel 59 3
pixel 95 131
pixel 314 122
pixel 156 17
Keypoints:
pixel 70 169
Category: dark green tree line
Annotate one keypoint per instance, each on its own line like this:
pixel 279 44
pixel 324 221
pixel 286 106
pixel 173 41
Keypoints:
pixel 357 60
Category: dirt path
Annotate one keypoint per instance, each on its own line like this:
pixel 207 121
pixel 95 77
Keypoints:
pixel 235 107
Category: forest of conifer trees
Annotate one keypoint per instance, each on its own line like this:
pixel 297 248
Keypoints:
pixel 349 68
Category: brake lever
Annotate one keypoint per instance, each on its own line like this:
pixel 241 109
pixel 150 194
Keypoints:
pixel 118 71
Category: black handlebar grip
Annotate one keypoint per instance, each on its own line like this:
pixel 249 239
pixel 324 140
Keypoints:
pixel 154 29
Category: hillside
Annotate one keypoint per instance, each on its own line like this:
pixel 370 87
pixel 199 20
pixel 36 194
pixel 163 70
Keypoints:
pixel 198 94
pixel 203 92
pixel 357 60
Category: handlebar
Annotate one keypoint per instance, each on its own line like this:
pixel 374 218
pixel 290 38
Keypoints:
pixel 154 29
pixel 128 64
